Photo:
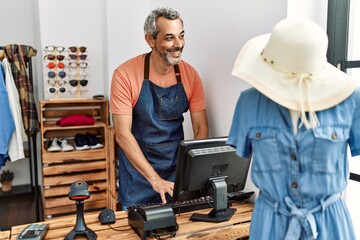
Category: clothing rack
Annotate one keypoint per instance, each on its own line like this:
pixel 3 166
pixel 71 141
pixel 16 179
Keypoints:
pixel 34 181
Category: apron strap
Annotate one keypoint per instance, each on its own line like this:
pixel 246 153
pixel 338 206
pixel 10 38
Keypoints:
pixel 147 68
pixel 177 73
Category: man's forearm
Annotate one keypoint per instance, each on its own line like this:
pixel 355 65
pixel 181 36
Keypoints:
pixel 201 133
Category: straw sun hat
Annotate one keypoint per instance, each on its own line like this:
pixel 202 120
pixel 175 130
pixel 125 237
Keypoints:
pixel 289 66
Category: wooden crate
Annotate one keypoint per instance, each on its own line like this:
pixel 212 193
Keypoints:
pixel 61 169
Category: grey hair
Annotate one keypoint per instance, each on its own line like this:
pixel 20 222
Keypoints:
pixel 150 26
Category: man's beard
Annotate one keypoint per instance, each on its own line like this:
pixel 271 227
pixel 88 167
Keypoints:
pixel 167 58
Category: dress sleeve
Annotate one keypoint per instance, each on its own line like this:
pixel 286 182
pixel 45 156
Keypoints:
pixel 238 136
pixel 354 141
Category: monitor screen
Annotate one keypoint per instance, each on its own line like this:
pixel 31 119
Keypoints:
pixel 209 167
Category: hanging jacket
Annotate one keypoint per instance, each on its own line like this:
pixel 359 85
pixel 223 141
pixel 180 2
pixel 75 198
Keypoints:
pixel 18 56
pixel 16 147
pixel 7 125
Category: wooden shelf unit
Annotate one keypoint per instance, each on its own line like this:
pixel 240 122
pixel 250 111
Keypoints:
pixel 61 169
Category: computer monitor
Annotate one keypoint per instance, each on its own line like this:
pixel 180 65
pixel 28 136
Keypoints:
pixel 209 167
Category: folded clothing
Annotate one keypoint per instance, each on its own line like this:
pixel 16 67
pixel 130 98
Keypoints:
pixel 76 120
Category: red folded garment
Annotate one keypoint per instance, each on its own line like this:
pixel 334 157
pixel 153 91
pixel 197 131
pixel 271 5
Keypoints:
pixel 76 120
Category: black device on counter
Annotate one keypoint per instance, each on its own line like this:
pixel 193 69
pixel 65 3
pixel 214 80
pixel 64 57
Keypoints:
pixel 34 231
pixel 98 97
pixel 152 220
pixel 107 216
pixel 79 192
pixel 206 169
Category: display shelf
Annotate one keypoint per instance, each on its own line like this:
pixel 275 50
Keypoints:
pixel 61 169
pixel 62 157
pixel 17 190
pixel 54 127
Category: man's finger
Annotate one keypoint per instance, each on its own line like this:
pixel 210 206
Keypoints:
pixel 163 199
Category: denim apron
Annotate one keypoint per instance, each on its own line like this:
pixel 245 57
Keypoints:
pixel 157 127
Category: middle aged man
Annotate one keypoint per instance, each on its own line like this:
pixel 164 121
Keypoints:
pixel 149 94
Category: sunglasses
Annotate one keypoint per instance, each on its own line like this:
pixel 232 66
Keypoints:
pixel 53 90
pixel 75 56
pixel 52 65
pixel 75 82
pixel 53 82
pixel 75 49
pixel 74 65
pixel 53 74
pixel 52 57
pixel 54 48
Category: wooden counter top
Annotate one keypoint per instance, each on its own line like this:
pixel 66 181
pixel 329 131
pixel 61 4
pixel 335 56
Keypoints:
pixel 236 227
pixel 5 235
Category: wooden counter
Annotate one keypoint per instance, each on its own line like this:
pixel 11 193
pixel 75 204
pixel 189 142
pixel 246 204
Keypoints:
pixel 5 235
pixel 236 227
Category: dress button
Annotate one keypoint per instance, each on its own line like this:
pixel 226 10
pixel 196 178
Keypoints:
pixel 258 135
pixel 334 136
pixel 294 185
pixel 293 157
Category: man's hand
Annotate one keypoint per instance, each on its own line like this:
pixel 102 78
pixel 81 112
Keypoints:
pixel 162 187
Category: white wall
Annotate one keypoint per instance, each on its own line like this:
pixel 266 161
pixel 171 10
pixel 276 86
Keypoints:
pixel 113 32
pixel 314 10
pixel 214 33
pixel 76 23
pixel 19 25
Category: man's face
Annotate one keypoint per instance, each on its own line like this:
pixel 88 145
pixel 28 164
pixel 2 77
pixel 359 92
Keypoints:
pixel 170 41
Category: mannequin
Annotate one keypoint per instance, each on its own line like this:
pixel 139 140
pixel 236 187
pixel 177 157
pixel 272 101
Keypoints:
pixel 296 122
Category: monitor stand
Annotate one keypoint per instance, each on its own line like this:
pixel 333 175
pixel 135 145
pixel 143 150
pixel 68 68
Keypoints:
pixel 220 211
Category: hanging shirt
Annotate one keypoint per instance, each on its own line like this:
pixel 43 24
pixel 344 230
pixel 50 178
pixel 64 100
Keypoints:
pixel 7 125
pixel 16 147
pixel 300 176
pixel 18 56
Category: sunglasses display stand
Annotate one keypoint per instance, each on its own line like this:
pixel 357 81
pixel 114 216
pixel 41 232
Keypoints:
pixel 54 63
pixel 78 62
pixel 56 87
